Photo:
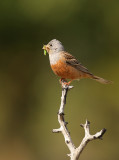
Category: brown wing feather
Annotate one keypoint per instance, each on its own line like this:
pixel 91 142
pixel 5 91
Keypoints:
pixel 72 61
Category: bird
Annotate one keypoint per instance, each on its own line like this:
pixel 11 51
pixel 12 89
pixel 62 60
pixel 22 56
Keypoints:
pixel 66 66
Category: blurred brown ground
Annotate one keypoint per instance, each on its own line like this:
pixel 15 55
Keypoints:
pixel 30 92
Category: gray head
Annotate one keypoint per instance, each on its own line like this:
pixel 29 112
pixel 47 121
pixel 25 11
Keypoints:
pixel 54 46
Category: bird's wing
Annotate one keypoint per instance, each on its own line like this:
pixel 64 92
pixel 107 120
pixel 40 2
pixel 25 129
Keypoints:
pixel 72 61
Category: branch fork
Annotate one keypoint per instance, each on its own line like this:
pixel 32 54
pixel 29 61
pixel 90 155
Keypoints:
pixel 74 152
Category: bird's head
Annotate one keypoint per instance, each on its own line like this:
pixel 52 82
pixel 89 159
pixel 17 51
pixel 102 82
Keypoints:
pixel 54 46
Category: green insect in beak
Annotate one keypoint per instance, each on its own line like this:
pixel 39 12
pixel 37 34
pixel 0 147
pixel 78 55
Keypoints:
pixel 45 52
pixel 44 47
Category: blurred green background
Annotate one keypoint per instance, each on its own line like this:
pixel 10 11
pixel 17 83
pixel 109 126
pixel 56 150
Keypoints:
pixel 30 92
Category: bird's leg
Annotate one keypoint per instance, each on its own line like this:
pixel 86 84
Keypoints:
pixel 68 83
pixel 64 81
pixel 60 81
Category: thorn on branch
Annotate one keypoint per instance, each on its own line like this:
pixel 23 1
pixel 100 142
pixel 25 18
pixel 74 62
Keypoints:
pixel 66 123
pixel 69 155
pixel 61 113
pixel 82 125
pixel 103 132
pixel 56 130
pixel 67 141
pixel 86 125
pixel 87 122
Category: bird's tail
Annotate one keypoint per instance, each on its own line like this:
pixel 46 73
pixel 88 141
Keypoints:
pixel 101 80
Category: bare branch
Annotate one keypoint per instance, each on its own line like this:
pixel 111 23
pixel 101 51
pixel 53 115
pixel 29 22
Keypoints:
pixel 74 152
pixel 63 124
pixel 88 137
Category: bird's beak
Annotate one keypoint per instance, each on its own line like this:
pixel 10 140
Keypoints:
pixel 46 48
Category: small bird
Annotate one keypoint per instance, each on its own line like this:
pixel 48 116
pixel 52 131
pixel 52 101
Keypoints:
pixel 67 66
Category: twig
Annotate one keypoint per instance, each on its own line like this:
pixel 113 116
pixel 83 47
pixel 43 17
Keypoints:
pixel 74 152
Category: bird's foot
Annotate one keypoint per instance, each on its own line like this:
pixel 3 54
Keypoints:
pixel 68 83
pixel 64 82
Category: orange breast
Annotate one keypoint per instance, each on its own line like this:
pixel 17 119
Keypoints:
pixel 66 71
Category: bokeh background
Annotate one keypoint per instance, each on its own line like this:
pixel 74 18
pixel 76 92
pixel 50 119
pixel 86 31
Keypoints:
pixel 30 92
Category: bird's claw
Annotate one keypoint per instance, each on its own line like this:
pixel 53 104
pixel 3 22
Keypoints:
pixel 64 82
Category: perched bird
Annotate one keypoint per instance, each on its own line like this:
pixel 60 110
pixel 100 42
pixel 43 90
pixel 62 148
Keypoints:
pixel 67 66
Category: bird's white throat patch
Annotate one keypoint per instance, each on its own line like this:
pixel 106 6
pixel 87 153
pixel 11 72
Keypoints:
pixel 54 58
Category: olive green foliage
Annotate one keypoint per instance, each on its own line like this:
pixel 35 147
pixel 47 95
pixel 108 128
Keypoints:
pixel 30 92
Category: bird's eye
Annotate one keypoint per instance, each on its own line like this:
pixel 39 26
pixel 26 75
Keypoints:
pixel 50 45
